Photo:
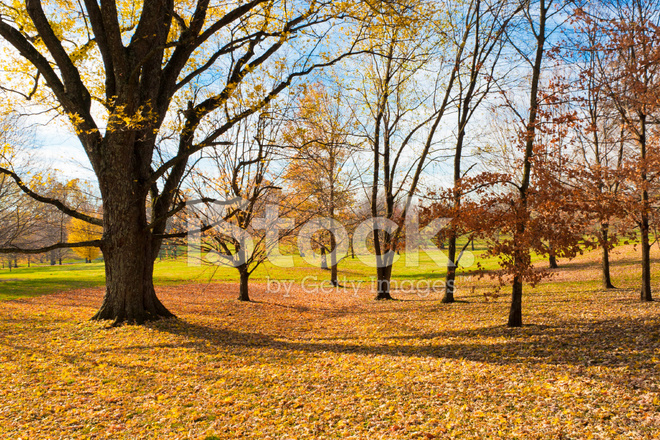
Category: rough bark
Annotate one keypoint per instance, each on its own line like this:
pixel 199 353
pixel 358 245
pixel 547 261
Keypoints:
pixel 129 250
pixel 130 296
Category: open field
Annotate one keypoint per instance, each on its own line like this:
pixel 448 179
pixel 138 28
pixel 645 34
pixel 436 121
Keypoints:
pixel 338 365
pixel 38 280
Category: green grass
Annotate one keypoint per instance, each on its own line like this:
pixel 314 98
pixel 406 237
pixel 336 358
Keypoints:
pixel 45 279
pixel 40 280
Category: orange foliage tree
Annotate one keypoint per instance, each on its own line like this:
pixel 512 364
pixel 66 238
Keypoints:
pixel 321 171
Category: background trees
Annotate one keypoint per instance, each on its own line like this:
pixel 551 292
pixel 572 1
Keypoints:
pixel 627 73
pixel 525 208
pixel 172 101
pixel 80 231
pixel 405 91
pixel 247 231
pixel 485 25
pixel 322 170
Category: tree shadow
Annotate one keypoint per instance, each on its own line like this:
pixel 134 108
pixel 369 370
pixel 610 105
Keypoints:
pixel 616 343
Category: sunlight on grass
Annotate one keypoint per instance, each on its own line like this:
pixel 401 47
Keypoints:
pixel 39 280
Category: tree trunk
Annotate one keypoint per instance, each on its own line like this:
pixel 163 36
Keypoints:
pixel 521 256
pixel 333 273
pixel 644 223
pixel 451 270
pixel 646 260
pixel 607 280
pixel 552 258
pixel 383 275
pixel 128 251
pixel 333 260
pixel 243 294
pixel 130 296
pixel 324 262
pixel 515 312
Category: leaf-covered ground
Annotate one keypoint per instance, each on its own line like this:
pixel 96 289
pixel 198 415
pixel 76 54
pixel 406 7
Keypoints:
pixel 339 365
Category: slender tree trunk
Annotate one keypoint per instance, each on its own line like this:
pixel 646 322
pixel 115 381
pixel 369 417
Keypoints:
pixel 521 256
pixel 646 260
pixel 552 258
pixel 243 294
pixel 451 270
pixel 607 280
pixel 324 261
pixel 644 223
pixel 352 249
pixel 333 260
pixel 515 312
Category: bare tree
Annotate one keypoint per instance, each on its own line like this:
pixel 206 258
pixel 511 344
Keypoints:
pixel 243 234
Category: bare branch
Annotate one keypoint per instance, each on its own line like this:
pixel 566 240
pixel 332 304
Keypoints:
pixel 18 250
pixel 56 203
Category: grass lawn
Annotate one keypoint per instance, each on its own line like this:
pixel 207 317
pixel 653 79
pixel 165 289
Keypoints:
pixel 44 279
pixel 307 365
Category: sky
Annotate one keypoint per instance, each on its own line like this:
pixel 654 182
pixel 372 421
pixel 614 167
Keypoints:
pixel 59 149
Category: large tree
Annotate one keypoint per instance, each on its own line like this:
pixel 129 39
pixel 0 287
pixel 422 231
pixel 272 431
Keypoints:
pixel 139 85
